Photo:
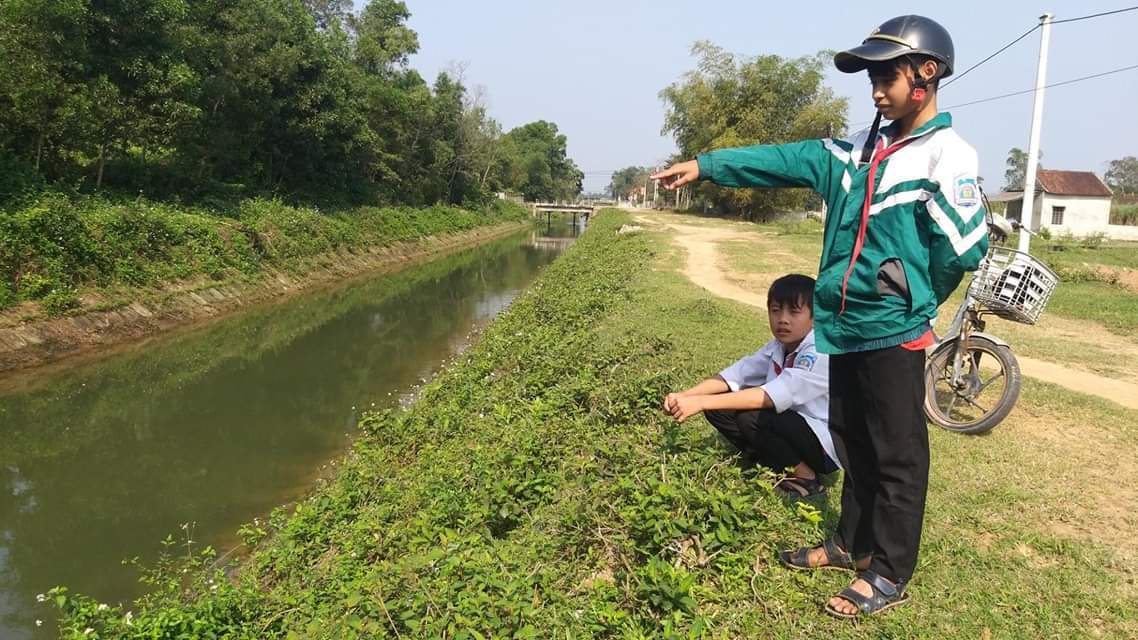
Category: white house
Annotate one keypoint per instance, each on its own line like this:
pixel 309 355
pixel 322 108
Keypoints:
pixel 1069 202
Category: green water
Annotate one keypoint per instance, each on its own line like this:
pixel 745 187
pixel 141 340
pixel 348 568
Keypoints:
pixel 215 427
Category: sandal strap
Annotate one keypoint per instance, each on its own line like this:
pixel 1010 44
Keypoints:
pixel 791 485
pixel 888 589
pixel 855 598
pixel 801 557
pixel 835 555
pixel 805 487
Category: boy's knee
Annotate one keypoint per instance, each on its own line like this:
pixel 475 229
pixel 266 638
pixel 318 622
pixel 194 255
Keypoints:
pixel 720 418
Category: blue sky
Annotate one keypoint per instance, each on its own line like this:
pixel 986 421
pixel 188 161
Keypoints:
pixel 595 68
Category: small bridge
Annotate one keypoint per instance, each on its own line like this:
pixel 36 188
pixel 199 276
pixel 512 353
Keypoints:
pixel 584 210
pixel 550 242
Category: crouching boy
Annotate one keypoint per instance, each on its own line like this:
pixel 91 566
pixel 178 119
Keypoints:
pixel 773 405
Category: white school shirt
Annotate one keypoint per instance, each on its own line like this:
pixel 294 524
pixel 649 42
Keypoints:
pixel 802 387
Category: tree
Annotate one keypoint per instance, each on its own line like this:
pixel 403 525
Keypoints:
pixel 296 98
pixel 1016 170
pixel 328 13
pixel 730 101
pixel 536 165
pixel 1122 175
pixel 627 179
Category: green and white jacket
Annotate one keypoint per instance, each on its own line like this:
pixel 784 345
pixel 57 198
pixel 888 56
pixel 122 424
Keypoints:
pixel 889 260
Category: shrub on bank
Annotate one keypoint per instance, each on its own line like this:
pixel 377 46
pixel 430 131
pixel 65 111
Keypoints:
pixel 58 244
pixel 534 491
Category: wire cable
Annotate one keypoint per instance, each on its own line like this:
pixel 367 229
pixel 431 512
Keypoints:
pixel 998 52
pixel 1032 30
pixel 1095 15
pixel 1026 91
pixel 1057 84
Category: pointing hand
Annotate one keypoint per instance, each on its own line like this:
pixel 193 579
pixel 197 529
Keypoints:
pixel 678 175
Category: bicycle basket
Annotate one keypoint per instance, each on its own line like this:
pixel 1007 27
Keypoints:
pixel 1013 285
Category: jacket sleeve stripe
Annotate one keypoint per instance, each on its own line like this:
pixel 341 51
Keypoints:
pixel 970 240
pixel 895 199
pixel 960 242
pixel 843 155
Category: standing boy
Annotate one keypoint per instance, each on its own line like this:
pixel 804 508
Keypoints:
pixel 905 222
pixel 773 404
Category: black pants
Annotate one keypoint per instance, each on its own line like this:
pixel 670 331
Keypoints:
pixel 877 421
pixel 774 440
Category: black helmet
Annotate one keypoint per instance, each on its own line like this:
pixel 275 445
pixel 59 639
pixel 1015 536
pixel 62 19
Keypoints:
pixel 900 36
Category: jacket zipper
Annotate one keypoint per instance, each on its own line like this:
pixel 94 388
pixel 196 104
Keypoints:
pixel 879 155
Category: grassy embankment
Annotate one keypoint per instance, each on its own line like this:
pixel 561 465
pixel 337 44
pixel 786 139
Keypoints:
pixel 64 253
pixel 536 491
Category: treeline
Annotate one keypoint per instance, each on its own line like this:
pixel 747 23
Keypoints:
pixel 730 101
pixel 222 99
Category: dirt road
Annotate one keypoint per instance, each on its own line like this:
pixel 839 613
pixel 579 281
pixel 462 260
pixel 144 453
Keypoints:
pixel 703 245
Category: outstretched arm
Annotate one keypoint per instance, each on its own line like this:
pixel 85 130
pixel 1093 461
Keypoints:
pixel 745 400
pixel 796 164
pixel 710 386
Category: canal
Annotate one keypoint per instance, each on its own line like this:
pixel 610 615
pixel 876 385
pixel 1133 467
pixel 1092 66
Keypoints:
pixel 200 433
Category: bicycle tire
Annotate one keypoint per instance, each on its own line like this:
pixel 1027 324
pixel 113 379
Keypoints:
pixel 935 377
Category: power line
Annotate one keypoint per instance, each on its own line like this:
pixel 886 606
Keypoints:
pixel 1096 15
pixel 998 52
pixel 1032 30
pixel 1057 84
pixel 1026 91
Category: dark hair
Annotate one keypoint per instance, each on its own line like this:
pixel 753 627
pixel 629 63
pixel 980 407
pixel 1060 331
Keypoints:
pixel 795 290
pixel 900 63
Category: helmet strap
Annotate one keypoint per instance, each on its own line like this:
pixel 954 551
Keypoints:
pixel 918 86
pixel 871 141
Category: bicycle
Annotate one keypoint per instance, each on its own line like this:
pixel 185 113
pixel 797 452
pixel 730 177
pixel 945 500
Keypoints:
pixel 1009 284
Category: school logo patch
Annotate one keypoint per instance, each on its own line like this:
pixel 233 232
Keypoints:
pixel 966 193
pixel 805 361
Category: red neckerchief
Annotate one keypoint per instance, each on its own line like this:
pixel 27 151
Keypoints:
pixel 787 363
pixel 879 155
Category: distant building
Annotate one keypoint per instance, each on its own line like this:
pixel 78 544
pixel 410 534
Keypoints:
pixel 1068 202
pixel 636 196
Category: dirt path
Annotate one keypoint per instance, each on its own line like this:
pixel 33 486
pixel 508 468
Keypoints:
pixel 701 243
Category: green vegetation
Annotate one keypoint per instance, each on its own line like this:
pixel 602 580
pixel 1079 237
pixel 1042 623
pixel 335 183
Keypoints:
pixel 1123 214
pixel 155 140
pixel 56 246
pixel 732 101
pixel 536 491
pixel 1122 176
pixel 627 179
pixel 220 99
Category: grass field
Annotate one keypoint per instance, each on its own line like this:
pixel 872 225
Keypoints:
pixel 536 491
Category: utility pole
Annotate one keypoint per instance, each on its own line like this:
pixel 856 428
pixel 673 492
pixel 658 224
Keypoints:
pixel 644 200
pixel 1028 213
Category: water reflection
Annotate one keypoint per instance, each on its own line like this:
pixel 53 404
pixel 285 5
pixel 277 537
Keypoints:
pixel 215 427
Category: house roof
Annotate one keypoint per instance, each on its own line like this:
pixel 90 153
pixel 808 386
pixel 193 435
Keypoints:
pixel 1006 196
pixel 1071 183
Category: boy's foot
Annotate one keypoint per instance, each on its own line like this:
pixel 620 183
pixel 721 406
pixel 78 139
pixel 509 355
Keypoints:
pixel 868 595
pixel 798 488
pixel 827 555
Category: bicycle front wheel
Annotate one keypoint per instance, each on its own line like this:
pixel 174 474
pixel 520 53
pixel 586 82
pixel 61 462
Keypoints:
pixel 980 395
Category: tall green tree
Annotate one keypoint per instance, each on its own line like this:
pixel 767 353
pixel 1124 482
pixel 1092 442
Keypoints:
pixel 730 100
pixel 1122 175
pixel 1015 171
pixel 536 164
pixel 298 98
pixel 627 179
